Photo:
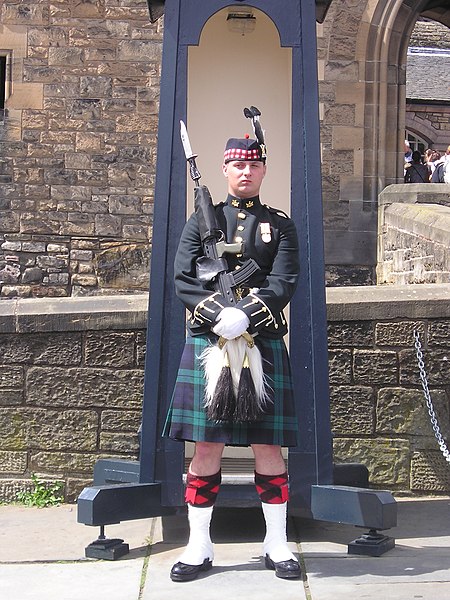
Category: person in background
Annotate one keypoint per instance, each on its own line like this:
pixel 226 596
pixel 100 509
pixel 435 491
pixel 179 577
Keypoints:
pixel 441 173
pixel 431 157
pixel 417 172
pixel 408 156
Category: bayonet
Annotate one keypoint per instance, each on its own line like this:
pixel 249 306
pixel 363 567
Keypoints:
pixel 190 156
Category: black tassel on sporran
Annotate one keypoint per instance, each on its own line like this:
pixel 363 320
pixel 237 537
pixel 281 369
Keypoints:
pixel 223 404
pixel 247 407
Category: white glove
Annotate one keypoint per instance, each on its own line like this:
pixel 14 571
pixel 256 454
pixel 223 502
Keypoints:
pixel 231 323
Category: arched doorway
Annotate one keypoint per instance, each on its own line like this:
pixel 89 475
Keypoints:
pixel 363 93
pixel 427 92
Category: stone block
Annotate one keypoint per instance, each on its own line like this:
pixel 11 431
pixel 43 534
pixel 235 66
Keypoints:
pixel 439 333
pixel 77 160
pixel 124 266
pixel 58 278
pixel 9 488
pixel 429 472
pixel 56 177
pixel 108 225
pixel 41 349
pixel 123 175
pixel 403 411
pixel 388 460
pixel 65 56
pixel 52 263
pixel 11 397
pixel 59 463
pixel 74 487
pixel 138 231
pixel 348 138
pixel 10 221
pixel 340 366
pixel 96 86
pixel 125 205
pixel 59 248
pixel 398 333
pixel 79 254
pixel 13 462
pixel 137 123
pixel 33 246
pixel 11 377
pixel 77 227
pixel 87 109
pixel 120 420
pixel 14 430
pixel 89 142
pixel 84 387
pixel 11 291
pixel 111 349
pixel 118 442
pixel 10 273
pixel 84 280
pixel 139 50
pixel 57 429
pixel 32 275
pixel 350 334
pixel 374 367
pixel 11 246
pixel 437 367
pixel 24 13
pixel 342 70
pixel 352 410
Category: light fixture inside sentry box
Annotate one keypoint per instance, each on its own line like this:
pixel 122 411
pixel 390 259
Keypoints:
pixel 241 21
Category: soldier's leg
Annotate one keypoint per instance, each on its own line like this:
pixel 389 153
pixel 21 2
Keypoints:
pixel 202 487
pixel 271 482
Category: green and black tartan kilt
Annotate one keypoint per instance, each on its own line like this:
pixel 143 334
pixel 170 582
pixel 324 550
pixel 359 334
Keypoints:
pixel 186 419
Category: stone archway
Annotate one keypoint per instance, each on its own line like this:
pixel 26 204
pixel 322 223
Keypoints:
pixel 362 68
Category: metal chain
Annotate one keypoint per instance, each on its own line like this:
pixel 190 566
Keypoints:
pixel 426 393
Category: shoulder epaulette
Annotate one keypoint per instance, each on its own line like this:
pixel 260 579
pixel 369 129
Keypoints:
pixel 277 211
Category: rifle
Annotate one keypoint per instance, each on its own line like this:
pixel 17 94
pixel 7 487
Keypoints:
pixel 213 266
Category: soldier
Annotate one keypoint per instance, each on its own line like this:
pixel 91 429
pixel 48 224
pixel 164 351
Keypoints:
pixel 269 237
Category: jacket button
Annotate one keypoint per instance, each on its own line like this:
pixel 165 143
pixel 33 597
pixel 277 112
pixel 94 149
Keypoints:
pixel 242 215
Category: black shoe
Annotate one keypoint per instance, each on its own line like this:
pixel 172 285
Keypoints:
pixel 286 569
pixel 183 572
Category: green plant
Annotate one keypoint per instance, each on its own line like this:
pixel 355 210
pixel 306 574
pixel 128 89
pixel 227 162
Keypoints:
pixel 43 493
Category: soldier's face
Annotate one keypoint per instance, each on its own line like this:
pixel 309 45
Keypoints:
pixel 244 177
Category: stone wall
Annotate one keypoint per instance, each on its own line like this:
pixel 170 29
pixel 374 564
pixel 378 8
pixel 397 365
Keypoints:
pixel 430 34
pixel 71 376
pixel 431 122
pixel 78 146
pixel 414 234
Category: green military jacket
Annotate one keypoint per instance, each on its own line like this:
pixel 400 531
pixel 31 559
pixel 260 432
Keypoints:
pixel 269 237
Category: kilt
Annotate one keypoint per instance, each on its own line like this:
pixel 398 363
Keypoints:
pixel 186 418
